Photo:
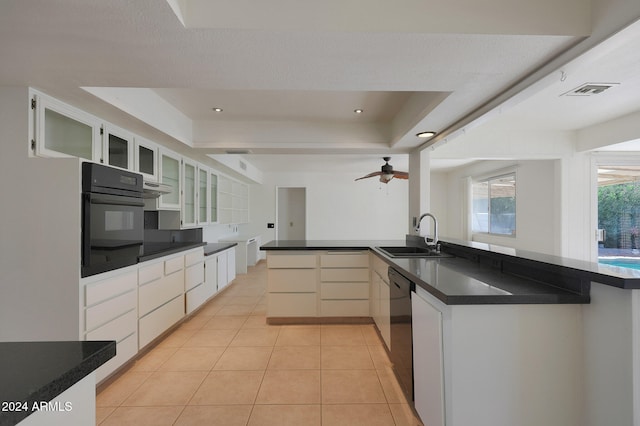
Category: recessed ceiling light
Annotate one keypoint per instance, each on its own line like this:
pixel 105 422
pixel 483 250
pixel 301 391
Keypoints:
pixel 217 109
pixel 358 111
pixel 426 135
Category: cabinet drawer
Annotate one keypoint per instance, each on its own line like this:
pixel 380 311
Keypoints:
pixel 159 292
pixel 158 321
pixel 291 304
pixel 193 258
pixel 108 288
pixel 117 329
pixel 344 260
pixel 102 313
pixel 357 290
pixel 380 266
pixel 125 350
pixel 149 273
pixel 193 275
pixel 291 260
pixel 344 275
pixel 291 280
pixel 196 297
pixel 344 308
pixel 173 265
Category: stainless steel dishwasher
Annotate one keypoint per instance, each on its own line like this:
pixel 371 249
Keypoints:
pixel 401 337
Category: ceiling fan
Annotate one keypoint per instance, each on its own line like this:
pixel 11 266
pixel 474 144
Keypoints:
pixel 387 173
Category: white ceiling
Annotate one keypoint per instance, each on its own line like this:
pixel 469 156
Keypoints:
pixel 289 82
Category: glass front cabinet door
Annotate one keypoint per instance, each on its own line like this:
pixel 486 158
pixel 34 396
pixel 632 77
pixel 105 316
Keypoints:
pixel 213 198
pixel 203 196
pixel 63 131
pixel 170 175
pixel 118 148
pixel 146 159
pixel 189 194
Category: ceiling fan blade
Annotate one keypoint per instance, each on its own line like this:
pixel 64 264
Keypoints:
pixel 400 175
pixel 370 175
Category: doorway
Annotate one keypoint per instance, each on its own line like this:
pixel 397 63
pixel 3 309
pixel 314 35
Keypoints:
pixel 291 213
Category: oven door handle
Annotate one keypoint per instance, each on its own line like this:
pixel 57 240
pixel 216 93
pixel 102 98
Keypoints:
pixel 116 200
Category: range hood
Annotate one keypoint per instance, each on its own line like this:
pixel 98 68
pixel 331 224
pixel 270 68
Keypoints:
pixel 152 189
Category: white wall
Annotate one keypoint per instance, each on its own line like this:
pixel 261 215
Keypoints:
pixel 536 203
pixel 337 206
pixel 39 233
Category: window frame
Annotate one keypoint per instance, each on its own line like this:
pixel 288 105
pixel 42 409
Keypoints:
pixel 488 178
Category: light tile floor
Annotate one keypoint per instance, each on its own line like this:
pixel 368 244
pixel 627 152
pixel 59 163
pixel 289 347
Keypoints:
pixel 226 366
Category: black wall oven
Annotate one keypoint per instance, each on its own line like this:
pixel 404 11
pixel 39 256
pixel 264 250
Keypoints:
pixel 112 218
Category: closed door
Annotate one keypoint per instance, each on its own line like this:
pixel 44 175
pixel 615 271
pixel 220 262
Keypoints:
pixel 291 213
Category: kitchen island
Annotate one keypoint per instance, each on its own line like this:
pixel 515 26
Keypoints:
pixel 50 383
pixel 499 335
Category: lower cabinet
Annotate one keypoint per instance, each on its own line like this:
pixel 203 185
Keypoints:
pixel 194 280
pixel 292 284
pixel 318 284
pixel 344 284
pixel 381 298
pixel 427 355
pixel 110 312
pixel 497 365
pixel 161 296
pixel 136 304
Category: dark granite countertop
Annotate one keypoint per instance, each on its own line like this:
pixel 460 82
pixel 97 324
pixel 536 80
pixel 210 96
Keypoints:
pixel 31 372
pixel 466 279
pixel 328 244
pixel 213 248
pixel 155 250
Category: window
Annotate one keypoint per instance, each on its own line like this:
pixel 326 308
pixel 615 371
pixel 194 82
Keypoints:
pixel 494 205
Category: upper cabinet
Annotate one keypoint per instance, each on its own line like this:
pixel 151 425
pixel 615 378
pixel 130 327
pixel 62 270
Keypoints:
pixel 170 175
pixel 146 159
pixel 117 147
pixel 189 201
pixel 203 196
pixel 213 198
pixel 233 202
pixel 63 131
pixel 199 194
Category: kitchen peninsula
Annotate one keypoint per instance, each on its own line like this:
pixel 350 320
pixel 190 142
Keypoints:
pixel 46 383
pixel 498 334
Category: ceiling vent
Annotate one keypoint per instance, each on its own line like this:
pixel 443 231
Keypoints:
pixel 237 151
pixel 590 89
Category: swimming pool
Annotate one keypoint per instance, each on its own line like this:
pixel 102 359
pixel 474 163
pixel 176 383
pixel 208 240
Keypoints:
pixel 624 262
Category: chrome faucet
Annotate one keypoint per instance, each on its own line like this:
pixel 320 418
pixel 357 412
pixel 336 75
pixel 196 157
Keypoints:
pixel 434 242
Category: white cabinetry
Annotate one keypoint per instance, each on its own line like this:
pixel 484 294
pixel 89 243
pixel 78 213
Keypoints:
pixel 170 175
pixel 233 201
pixel 146 159
pixel 428 367
pixel 64 131
pixel 203 196
pixel 213 198
pixel 194 280
pixel 110 313
pixel 117 147
pixel 344 284
pixel 502 365
pixel 189 187
pixel 161 296
pixel 292 284
pixel 381 298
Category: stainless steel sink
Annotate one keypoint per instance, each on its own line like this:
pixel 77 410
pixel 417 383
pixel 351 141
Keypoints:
pixel 407 251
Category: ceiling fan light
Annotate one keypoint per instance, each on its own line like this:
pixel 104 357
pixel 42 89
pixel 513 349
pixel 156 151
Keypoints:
pixel 386 177
pixel 426 135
